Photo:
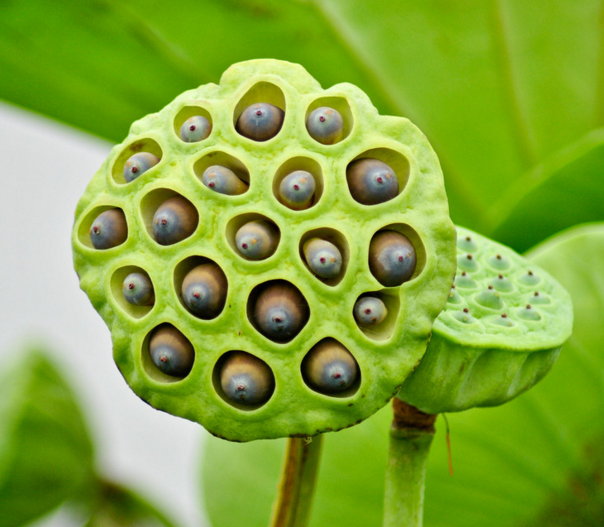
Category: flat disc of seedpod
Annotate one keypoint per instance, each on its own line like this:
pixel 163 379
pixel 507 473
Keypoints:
pixel 500 332
pixel 385 354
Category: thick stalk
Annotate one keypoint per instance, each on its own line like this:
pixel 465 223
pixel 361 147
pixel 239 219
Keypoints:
pixel 298 479
pixel 411 434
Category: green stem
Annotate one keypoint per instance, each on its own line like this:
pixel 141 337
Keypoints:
pixel 298 479
pixel 411 435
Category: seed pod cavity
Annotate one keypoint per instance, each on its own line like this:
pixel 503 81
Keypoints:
pixel 260 122
pixel 297 190
pixel 223 180
pixel 138 164
pixel 323 258
pixel 257 240
pixel 174 220
pixel 329 368
pixel 109 229
pixel 204 290
pixel 195 129
pixel 171 352
pixel 245 379
pixel 137 289
pixel 325 125
pixel 392 258
pixel 371 181
pixel 279 311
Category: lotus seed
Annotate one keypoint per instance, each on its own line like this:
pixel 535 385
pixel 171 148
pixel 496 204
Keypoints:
pixel 138 164
pixel 138 290
pixel 171 351
pixel 257 240
pixel 204 290
pixel 195 129
pixel 175 219
pixel 109 229
pixel 464 317
pixel 323 258
pixel 454 296
pixel 280 312
pixel 529 279
pixel 528 313
pixel 499 262
pixel 330 368
pixel 371 181
pixel 465 281
pixel 369 311
pixel 260 121
pixel 502 284
pixel 223 180
pixel 502 320
pixel 297 190
pixel 325 125
pixel 467 244
pixel 391 258
pixel 467 263
pixel 489 299
pixel 539 298
pixel 246 379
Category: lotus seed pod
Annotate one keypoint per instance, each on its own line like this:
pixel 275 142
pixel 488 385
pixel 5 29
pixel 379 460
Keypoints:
pixel 325 125
pixel 204 290
pixel 246 380
pixel 323 258
pixel 371 181
pixel 280 312
pixel 370 311
pixel 496 347
pixel 257 240
pixel 223 180
pixel 138 164
pixel 171 352
pixel 329 368
pixel 138 290
pixel 275 309
pixel 297 190
pixel 175 219
pixel 392 258
pixel 260 121
pixel 109 229
pixel 195 129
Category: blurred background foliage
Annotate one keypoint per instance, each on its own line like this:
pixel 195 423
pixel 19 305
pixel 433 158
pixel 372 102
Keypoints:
pixel 510 94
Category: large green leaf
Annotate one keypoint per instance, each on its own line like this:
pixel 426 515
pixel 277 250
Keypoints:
pixel 496 86
pixel 535 461
pixel 46 455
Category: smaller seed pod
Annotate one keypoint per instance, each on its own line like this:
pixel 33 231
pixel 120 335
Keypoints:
pixel 329 368
pixel 138 290
pixel 323 258
pixel 490 299
pixel 325 125
pixel 502 284
pixel 175 219
pixel 392 258
pixel 257 240
pixel 260 122
pixel 195 129
pixel 369 311
pixel 371 181
pixel 138 164
pixel 171 351
pixel 246 379
pixel 223 180
pixel 297 190
pixel 465 281
pixel 109 229
pixel 280 312
pixel 467 244
pixel 528 313
pixel 204 290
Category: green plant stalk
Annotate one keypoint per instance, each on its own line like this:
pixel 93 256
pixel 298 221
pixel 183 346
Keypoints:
pixel 411 435
pixel 298 480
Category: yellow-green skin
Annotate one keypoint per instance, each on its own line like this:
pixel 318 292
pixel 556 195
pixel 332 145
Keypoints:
pixel 385 359
pixel 481 363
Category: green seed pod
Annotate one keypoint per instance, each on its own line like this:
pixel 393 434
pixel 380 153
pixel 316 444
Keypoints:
pixel 499 345
pixel 329 368
pixel 311 309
